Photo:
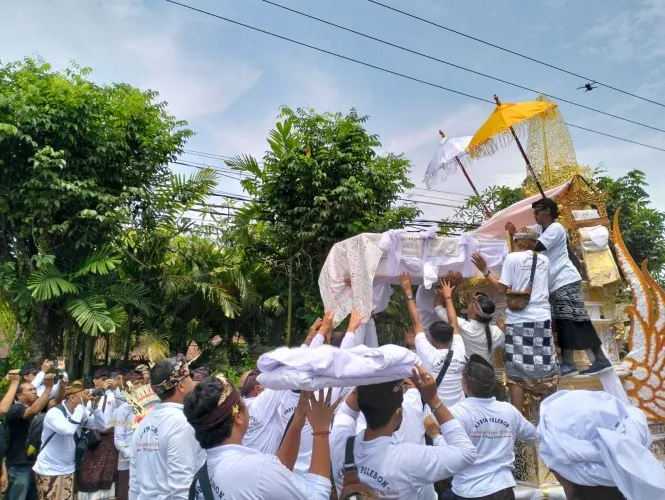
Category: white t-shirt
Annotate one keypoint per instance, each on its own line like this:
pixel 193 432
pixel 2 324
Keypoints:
pixel 265 429
pixel 562 270
pixel 493 427
pixel 164 455
pixel 240 473
pixel 515 274
pixel 473 334
pixel 450 390
pixel 398 470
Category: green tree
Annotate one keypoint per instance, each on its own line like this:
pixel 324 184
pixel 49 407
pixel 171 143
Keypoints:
pixel 320 181
pixel 78 162
pixel 642 226
pixel 471 215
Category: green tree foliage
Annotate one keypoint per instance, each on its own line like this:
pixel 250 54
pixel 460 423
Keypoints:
pixel 471 215
pixel 77 162
pixel 197 283
pixel 320 181
pixel 642 226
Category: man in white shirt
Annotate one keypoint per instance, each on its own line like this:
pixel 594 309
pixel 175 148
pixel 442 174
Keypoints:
pixel 220 418
pixel 574 328
pixel 493 427
pixel 165 454
pixel 123 430
pixel 265 423
pixel 529 347
pixel 56 461
pixel 35 374
pixel 445 351
pixel 389 468
pixel 99 466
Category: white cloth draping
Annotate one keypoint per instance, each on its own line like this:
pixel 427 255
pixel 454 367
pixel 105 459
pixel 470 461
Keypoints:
pixel 591 438
pixel 328 366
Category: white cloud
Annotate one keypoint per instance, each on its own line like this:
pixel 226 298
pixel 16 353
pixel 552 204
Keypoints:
pixel 636 33
pixel 128 40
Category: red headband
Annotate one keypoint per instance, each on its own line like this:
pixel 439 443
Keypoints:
pixel 227 407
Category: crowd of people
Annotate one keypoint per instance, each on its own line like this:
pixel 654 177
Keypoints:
pixel 439 433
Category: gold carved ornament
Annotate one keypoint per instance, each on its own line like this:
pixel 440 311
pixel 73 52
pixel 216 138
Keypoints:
pixel 646 339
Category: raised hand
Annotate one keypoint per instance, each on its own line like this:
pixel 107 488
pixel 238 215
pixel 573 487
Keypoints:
pixel 300 413
pixel 315 326
pixel 13 376
pixel 355 321
pixel 405 281
pixel 49 380
pixel 479 261
pixel 425 383
pixel 321 411
pixel 47 365
pixel 447 290
pixel 510 227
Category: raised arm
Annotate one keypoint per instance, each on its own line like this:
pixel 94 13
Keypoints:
pixel 320 416
pixel 480 263
pixel 313 331
pixel 6 403
pixel 447 290
pixel 405 280
pixel 288 450
pixel 37 407
pixel 355 321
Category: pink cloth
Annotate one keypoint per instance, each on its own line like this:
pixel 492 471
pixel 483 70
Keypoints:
pixel 520 214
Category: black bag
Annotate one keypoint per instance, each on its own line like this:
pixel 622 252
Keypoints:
pixel 33 444
pixel 202 478
pixel 352 488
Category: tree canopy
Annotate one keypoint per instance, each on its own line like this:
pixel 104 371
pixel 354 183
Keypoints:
pixel 320 181
pixel 78 161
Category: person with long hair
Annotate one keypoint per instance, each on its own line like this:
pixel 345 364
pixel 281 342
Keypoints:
pixel 479 335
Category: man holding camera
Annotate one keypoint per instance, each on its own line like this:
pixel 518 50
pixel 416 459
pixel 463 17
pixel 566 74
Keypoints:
pixel 56 461
pixel 19 464
pixel 100 464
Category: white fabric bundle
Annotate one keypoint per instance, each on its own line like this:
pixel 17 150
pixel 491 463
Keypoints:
pixel 593 439
pixel 327 366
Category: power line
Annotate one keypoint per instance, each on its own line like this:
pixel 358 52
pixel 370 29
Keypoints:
pixel 463 68
pixel 385 70
pixel 518 54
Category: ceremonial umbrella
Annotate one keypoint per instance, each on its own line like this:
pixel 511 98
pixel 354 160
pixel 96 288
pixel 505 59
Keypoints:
pixel 451 153
pixel 499 130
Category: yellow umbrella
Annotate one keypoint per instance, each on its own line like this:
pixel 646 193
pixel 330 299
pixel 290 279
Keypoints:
pixel 499 129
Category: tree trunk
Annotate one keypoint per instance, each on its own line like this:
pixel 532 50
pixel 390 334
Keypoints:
pixel 107 354
pixel 289 306
pixel 128 340
pixel 89 349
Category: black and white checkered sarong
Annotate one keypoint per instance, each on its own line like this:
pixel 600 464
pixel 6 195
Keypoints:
pixel 530 351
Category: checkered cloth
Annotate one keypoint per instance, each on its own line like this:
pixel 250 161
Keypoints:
pixel 529 349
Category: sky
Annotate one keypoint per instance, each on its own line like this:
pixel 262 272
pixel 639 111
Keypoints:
pixel 229 82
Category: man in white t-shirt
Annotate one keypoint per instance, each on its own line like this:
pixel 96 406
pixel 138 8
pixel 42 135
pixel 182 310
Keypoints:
pixel 574 328
pixel 265 423
pixel 493 427
pixel 529 347
pixel 390 468
pixel 445 350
